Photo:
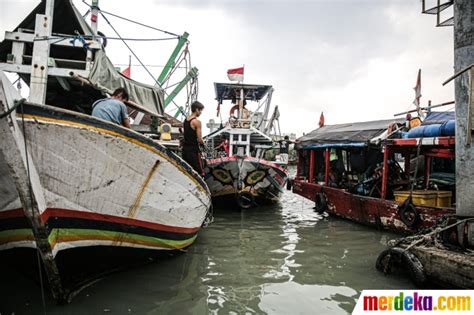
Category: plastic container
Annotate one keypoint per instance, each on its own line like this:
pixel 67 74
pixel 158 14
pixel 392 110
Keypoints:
pixel 443 198
pixel 419 197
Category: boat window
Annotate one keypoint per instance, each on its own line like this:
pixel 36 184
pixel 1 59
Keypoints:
pixel 244 137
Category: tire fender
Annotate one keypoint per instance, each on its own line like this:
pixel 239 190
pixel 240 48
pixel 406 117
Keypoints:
pixel 410 216
pixel 320 203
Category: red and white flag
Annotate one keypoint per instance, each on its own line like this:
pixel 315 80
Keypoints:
pixel 236 74
pixel 417 89
pixel 128 71
pixel 321 120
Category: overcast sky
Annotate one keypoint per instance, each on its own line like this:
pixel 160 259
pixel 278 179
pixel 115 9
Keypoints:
pixel 355 60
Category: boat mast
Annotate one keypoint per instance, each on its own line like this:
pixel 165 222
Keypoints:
pixel 263 122
pixel 94 27
pixel 39 64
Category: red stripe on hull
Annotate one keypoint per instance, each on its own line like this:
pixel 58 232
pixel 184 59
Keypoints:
pixel 66 213
pixel 15 213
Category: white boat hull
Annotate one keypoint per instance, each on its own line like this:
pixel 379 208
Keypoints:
pixel 248 179
pixel 103 185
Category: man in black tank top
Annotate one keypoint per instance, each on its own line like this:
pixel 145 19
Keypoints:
pixel 193 138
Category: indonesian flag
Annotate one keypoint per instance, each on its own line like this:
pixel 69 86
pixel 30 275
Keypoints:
pixel 417 89
pixel 236 74
pixel 321 120
pixel 127 71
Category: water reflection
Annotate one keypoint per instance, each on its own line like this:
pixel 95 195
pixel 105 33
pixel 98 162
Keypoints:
pixel 280 259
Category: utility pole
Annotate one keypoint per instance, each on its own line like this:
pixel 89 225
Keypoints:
pixel 463 57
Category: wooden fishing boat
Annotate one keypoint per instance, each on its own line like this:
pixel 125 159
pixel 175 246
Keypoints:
pixel 69 180
pixel 353 171
pixel 243 174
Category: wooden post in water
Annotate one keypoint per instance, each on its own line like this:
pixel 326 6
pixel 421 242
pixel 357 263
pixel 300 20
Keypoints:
pixel 464 57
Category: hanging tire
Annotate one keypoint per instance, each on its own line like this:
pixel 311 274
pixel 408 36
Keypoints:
pixel 320 203
pixel 104 39
pixel 245 200
pixel 410 216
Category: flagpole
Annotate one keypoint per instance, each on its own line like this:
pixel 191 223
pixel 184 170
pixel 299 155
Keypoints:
pixel 130 65
pixel 241 107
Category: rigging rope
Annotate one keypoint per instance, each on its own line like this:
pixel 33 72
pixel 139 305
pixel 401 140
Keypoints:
pixel 130 49
pixel 132 21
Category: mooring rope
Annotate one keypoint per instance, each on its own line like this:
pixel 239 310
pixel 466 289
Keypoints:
pixel 420 238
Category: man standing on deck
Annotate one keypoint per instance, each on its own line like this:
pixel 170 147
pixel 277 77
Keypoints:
pixel 284 149
pixel 193 138
pixel 113 109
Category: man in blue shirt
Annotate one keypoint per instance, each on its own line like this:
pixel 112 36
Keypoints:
pixel 113 109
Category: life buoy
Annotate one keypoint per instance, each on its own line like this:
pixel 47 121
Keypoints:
pixel 320 203
pixel 409 215
pixel 405 259
pixel 245 199
pixel 232 111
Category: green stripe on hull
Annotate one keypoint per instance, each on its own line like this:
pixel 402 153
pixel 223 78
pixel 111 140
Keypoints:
pixel 71 235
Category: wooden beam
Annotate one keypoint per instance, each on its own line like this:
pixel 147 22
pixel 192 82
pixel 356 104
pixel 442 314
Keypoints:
pixel 21 37
pixel 39 63
pixel 55 72
pixel 18 49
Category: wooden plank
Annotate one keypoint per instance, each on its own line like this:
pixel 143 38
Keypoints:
pixel 57 72
pixel 39 64
pixel 21 37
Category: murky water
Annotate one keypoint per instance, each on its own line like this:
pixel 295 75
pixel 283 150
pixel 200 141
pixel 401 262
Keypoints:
pixel 280 259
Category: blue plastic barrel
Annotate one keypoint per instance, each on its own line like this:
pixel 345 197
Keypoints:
pixel 448 128
pixel 426 131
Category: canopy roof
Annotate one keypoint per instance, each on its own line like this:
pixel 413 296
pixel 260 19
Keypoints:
pixel 350 134
pixel 231 91
pixel 103 77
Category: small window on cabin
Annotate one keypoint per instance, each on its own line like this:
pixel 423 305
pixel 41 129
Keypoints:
pixel 244 137
pixel 235 137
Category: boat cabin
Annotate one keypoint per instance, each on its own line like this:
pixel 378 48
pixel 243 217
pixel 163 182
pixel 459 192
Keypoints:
pixel 362 170
pixel 365 159
pixel 247 133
